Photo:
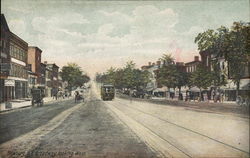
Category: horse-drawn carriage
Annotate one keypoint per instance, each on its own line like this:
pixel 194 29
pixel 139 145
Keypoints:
pixel 79 95
pixel 37 96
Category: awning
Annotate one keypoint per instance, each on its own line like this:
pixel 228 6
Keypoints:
pixel 162 89
pixel 195 89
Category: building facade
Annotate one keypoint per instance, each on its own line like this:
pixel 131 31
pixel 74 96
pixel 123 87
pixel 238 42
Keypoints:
pixel 229 89
pixel 192 66
pixel 34 60
pixel 48 80
pixel 14 76
pixel 53 70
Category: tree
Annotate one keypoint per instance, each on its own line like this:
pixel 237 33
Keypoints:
pixel 111 75
pixel 233 45
pixel 167 75
pixel 181 79
pixel 201 78
pixel 73 74
pixel 141 79
pixel 127 77
pixel 119 81
pixel 206 40
pixel 167 59
pixel 237 51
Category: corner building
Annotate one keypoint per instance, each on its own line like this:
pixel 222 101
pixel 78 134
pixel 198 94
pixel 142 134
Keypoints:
pixel 13 74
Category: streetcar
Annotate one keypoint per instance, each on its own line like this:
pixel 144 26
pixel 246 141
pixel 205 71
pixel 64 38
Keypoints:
pixel 107 92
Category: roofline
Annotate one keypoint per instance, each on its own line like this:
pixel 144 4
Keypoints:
pixel 53 64
pixel 5 22
pixel 18 38
pixel 193 62
pixel 36 48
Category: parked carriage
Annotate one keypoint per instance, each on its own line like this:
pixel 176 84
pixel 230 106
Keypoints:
pixel 107 92
pixel 37 96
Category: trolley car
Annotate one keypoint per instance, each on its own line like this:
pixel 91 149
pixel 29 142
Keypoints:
pixel 107 92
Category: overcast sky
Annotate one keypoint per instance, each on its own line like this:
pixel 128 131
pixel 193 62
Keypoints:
pixel 100 34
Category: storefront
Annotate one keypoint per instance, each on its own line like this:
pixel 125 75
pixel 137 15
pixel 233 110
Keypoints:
pixel 230 90
pixel 12 89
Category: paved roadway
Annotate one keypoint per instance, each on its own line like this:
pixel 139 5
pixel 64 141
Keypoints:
pixel 121 128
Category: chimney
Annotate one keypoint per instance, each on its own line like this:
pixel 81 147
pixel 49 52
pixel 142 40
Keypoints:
pixel 196 58
pixel 149 63
pixel 158 63
pixel 153 64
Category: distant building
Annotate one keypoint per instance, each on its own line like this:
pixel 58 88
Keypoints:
pixel 54 70
pixel 13 62
pixel 181 66
pixel 230 88
pixel 151 68
pixel 32 80
pixel 48 80
pixel 42 78
pixel 192 66
pixel 34 59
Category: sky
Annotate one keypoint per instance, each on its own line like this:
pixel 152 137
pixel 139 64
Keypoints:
pixel 99 34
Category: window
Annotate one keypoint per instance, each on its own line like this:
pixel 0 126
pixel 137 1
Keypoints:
pixel 14 53
pixel 11 50
pixel 22 55
pixel 13 70
pixel 19 54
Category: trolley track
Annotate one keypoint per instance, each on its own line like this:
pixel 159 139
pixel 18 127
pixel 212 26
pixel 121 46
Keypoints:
pixel 245 153
pixel 190 130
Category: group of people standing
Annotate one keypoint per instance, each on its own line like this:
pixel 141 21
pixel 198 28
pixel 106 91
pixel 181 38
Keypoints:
pixel 55 93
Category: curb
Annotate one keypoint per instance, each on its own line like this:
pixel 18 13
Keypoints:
pixel 26 106
pixel 6 110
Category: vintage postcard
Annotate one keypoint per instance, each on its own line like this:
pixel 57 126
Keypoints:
pixel 124 78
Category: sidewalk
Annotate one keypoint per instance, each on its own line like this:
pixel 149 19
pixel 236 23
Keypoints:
pixel 192 101
pixel 208 106
pixel 22 103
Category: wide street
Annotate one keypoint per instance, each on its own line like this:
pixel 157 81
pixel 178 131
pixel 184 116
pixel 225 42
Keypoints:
pixel 121 128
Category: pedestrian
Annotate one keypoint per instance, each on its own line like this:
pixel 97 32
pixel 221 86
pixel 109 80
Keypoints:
pixel 213 94
pixel 217 96
pixel 54 91
pixel 222 97
pixel 180 96
pixel 76 96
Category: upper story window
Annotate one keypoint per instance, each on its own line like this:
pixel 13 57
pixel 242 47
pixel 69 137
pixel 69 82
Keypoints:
pixel 17 52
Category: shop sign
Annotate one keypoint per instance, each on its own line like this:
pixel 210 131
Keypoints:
pixel 9 83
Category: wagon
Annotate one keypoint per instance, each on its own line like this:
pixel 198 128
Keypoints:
pixel 37 97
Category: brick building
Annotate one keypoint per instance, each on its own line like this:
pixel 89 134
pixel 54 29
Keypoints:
pixel 191 66
pixel 13 62
pixel 34 60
